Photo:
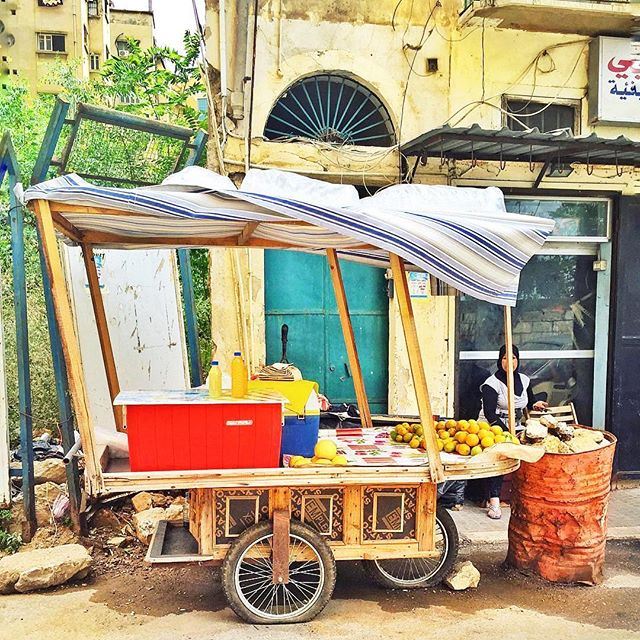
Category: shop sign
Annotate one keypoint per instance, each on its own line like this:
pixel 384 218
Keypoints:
pixel 614 81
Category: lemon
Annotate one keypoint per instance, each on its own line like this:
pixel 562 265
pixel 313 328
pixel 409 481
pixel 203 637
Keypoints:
pixel 407 437
pixel 473 428
pixel 326 449
pixel 399 438
pixel 303 462
pixel 484 425
pixel 340 461
pixel 472 439
pixel 450 424
pixel 500 438
pixel 323 461
pixel 439 444
pixel 461 436
pixel 449 446
pixel 443 435
pixel 463 449
pixel 294 460
pixel 496 430
pixel 483 433
pixel 401 430
pixel 476 450
pixel 487 442
pixel 415 443
pixel 463 425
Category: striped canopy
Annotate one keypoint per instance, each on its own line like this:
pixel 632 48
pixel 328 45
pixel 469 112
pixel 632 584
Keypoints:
pixel 462 236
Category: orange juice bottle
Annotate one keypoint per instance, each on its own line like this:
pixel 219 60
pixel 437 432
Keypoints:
pixel 239 376
pixel 215 380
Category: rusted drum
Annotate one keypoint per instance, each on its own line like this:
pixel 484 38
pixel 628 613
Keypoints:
pixel 558 525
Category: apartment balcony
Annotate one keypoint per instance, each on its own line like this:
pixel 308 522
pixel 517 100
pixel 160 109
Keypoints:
pixel 606 17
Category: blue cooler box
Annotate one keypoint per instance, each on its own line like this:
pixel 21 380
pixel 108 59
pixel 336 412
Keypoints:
pixel 300 432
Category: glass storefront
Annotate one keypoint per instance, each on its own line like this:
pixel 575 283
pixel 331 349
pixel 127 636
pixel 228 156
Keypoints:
pixel 555 317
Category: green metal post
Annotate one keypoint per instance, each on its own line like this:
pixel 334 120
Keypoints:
pixel 16 221
pixel 41 169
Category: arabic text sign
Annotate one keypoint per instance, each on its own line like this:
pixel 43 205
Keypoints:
pixel 614 81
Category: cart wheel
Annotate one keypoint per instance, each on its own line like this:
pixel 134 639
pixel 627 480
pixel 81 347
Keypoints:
pixel 247 575
pixel 418 573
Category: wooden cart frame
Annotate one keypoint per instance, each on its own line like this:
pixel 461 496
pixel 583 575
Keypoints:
pixel 384 512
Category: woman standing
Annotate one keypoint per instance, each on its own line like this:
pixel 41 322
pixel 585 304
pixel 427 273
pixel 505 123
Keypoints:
pixel 495 410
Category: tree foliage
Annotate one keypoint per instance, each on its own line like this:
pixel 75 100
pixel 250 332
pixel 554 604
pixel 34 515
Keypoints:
pixel 156 82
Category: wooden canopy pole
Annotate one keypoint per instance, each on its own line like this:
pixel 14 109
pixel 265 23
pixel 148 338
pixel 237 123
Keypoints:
pixel 401 287
pixel 349 338
pixel 508 342
pixel 70 346
pixel 103 332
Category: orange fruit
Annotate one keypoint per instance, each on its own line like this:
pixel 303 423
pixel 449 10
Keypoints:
pixel 473 423
pixel 496 430
pixel 500 438
pixel 415 443
pixel 473 428
pixel 461 436
pixel 451 423
pixel 452 431
pixel 483 433
pixel 463 449
pixel 401 430
pixel 443 435
pixel 476 450
pixel 463 424
pixel 407 436
pixel 449 446
pixel 472 439
pixel 484 425
pixel 441 425
pixel 487 442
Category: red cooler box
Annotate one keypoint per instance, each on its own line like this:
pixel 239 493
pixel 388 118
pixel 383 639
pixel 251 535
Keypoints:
pixel 186 430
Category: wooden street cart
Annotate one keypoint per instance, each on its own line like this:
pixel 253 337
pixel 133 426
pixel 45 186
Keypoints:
pixel 276 531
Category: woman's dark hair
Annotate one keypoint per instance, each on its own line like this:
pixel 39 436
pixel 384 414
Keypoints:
pixel 501 373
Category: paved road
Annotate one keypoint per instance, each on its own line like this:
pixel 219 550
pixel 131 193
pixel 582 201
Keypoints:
pixel 186 604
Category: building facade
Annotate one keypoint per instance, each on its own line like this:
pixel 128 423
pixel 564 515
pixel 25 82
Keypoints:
pixel 337 91
pixel 35 33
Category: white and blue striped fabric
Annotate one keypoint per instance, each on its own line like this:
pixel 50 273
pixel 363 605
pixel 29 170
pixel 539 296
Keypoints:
pixel 463 236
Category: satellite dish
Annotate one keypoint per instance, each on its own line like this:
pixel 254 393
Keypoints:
pixel 9 40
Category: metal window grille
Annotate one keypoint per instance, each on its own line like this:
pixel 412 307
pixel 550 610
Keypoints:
pixel 92 8
pixel 332 108
pixel 539 115
pixel 94 62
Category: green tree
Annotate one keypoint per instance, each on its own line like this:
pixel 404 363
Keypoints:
pixel 158 82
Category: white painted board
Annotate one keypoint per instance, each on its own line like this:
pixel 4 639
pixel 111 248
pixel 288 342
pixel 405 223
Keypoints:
pixel 141 294
pixel 5 489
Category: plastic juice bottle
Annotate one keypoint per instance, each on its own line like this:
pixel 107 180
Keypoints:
pixel 215 380
pixel 239 376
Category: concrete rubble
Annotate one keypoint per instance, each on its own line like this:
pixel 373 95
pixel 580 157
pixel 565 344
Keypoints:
pixel 43 568
pixel 145 523
pixel 464 576
pixel 49 470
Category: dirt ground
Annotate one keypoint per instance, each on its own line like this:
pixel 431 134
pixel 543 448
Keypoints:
pixel 124 599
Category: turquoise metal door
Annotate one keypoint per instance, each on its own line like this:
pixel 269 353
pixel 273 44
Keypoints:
pixel 299 293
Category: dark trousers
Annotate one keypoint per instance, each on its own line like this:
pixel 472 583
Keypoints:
pixel 494 486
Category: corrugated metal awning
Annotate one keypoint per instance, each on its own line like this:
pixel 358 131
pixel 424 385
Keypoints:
pixel 502 145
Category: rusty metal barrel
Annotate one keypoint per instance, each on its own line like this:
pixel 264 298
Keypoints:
pixel 558 524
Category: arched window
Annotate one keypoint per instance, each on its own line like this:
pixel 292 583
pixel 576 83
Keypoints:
pixel 333 108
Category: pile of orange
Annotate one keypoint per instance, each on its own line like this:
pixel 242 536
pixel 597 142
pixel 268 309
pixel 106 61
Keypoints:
pixel 469 437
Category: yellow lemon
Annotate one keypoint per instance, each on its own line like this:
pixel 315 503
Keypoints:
pixel 443 435
pixel 450 424
pixel 461 436
pixel 401 430
pixel 463 424
pixel 323 461
pixel 484 425
pixel 500 438
pixel 473 423
pixel 441 425
pixel 449 446
pixel 453 431
pixel 439 444
pixel 476 450
pixel 294 460
pixel 326 449
pixel 463 449
pixel 496 430
pixel 399 438
pixel 407 436
pixel 340 461
pixel 487 442
pixel 415 443
pixel 419 430
pixel 483 433
pixel 473 428
pixel 472 439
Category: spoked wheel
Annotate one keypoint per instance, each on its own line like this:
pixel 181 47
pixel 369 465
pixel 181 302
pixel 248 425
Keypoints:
pixel 418 573
pixel 247 576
